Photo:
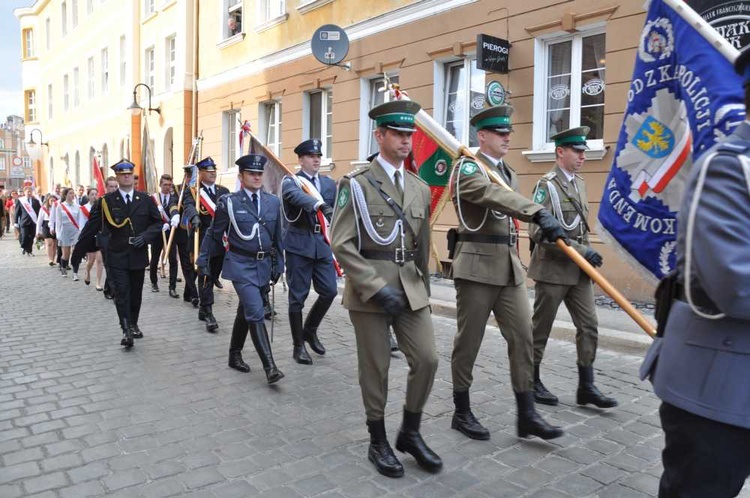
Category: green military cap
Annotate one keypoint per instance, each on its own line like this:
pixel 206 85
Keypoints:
pixel 397 115
pixel 494 118
pixel 574 137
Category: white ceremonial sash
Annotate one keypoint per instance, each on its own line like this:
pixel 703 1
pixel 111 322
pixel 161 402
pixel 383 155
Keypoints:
pixel 207 203
pixel 30 210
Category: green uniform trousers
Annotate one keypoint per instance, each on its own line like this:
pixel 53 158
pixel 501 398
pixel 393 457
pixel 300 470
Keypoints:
pixel 510 304
pixel 416 339
pixel 579 299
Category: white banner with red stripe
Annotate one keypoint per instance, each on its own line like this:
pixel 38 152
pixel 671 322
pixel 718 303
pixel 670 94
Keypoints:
pixel 207 203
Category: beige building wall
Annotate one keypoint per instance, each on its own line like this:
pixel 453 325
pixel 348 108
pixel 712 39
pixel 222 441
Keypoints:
pixel 415 40
pixel 101 55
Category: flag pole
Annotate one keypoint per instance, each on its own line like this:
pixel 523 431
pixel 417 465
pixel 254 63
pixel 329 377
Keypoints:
pixel 192 157
pixel 456 149
pixel 704 29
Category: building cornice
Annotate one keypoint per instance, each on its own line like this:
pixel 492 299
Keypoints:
pixel 362 29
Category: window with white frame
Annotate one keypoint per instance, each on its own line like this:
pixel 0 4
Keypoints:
pixel 64 17
pixel 569 88
pixel 49 101
pixel 462 97
pixel 269 120
pixel 271 9
pixel 28 43
pixel 233 18
pixel 91 79
pixel 89 7
pixel 66 92
pixel 230 126
pixel 150 63
pixel 74 13
pixel 171 65
pixel 148 7
pixel 123 61
pixel 377 89
pixel 27 162
pixel 76 87
pixel 48 32
pixel 2 143
pixel 319 122
pixel 30 101
pixel 2 167
pixel 105 70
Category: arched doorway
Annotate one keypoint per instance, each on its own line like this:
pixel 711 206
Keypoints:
pixel 168 153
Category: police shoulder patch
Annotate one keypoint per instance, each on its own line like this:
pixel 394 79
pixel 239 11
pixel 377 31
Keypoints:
pixel 343 198
pixel 541 194
pixel 469 168
pixel 550 175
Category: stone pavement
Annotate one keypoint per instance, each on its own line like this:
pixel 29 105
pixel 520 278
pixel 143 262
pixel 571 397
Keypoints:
pixel 80 417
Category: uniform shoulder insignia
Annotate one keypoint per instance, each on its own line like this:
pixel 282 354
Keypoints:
pixel 417 176
pixel 358 171
pixel 733 147
pixel 550 175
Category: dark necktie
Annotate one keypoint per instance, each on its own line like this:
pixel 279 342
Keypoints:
pixel 254 198
pixel 127 199
pixel 397 183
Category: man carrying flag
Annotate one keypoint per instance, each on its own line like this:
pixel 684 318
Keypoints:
pixel 308 256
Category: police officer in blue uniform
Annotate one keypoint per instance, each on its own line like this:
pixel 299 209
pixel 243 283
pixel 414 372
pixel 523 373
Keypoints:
pixel 250 218
pixel 699 363
pixel 308 255
pixel 202 203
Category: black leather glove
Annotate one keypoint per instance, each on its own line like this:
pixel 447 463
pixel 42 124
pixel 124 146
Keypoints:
pixel 594 258
pixel 550 227
pixel 138 242
pixel 327 211
pixel 391 299
pixel 195 221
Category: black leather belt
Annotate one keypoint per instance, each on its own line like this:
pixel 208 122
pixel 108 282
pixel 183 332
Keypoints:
pixel 399 256
pixel 316 228
pixel 484 238
pixel 251 254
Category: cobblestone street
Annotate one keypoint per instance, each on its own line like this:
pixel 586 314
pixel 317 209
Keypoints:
pixel 81 417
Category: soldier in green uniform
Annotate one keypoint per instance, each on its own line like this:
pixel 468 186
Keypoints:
pixel 488 274
pixel 381 238
pixel 558 279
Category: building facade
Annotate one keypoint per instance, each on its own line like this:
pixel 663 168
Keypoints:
pixel 81 62
pixel 15 163
pixel 570 64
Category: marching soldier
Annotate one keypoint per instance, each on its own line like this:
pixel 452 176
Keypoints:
pixel 381 237
pixel 130 220
pixel 166 203
pixel 250 218
pixel 558 279
pixel 488 274
pixel 206 194
pixel 308 255
pixel 183 238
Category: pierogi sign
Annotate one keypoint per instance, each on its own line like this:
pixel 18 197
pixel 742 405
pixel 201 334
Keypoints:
pixel 731 18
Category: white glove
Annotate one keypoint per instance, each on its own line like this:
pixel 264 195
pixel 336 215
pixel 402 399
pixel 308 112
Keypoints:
pixel 175 220
pixel 165 227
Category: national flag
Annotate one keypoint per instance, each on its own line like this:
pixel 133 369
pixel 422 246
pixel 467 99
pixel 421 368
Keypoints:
pixel 98 177
pixel 245 130
pixel 683 97
pixel 431 164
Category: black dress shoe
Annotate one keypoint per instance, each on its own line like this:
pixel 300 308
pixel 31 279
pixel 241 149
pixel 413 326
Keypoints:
pixel 273 374
pixel 196 302
pixel 410 441
pixel 154 287
pixel 468 425
pixel 137 334
pixel 127 337
pixel 173 293
pixel 235 361
pixel 211 324
pixel 108 295
pixel 218 284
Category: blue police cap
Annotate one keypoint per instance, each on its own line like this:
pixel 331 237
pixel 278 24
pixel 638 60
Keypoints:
pixel 312 147
pixel 251 162
pixel 206 164
pixel 123 166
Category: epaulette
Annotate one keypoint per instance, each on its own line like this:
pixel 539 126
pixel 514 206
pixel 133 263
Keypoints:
pixel 417 177
pixel 733 147
pixel 358 171
pixel 550 175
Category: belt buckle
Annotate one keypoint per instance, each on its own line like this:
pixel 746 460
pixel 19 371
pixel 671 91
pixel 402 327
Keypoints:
pixel 260 255
pixel 130 240
pixel 400 256
pixel 317 229
pixel 513 239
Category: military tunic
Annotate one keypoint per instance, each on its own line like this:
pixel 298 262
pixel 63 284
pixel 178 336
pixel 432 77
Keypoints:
pixel 558 279
pixel 366 274
pixel 487 271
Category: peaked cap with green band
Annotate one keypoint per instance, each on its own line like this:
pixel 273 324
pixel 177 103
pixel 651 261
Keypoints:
pixel 397 115
pixel 494 118
pixel 574 138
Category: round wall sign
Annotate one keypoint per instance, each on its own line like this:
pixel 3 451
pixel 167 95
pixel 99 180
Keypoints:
pixel 495 93
pixel 17 161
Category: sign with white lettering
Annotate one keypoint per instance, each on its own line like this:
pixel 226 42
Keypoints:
pixel 731 18
pixel 492 54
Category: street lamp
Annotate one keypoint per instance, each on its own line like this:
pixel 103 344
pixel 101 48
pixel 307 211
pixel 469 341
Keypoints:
pixel 136 109
pixel 35 149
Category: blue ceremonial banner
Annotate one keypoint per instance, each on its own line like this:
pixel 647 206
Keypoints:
pixel 684 96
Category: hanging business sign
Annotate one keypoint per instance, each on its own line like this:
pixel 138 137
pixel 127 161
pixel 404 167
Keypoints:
pixel 492 54
pixel 329 44
pixel 495 93
pixel 731 18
